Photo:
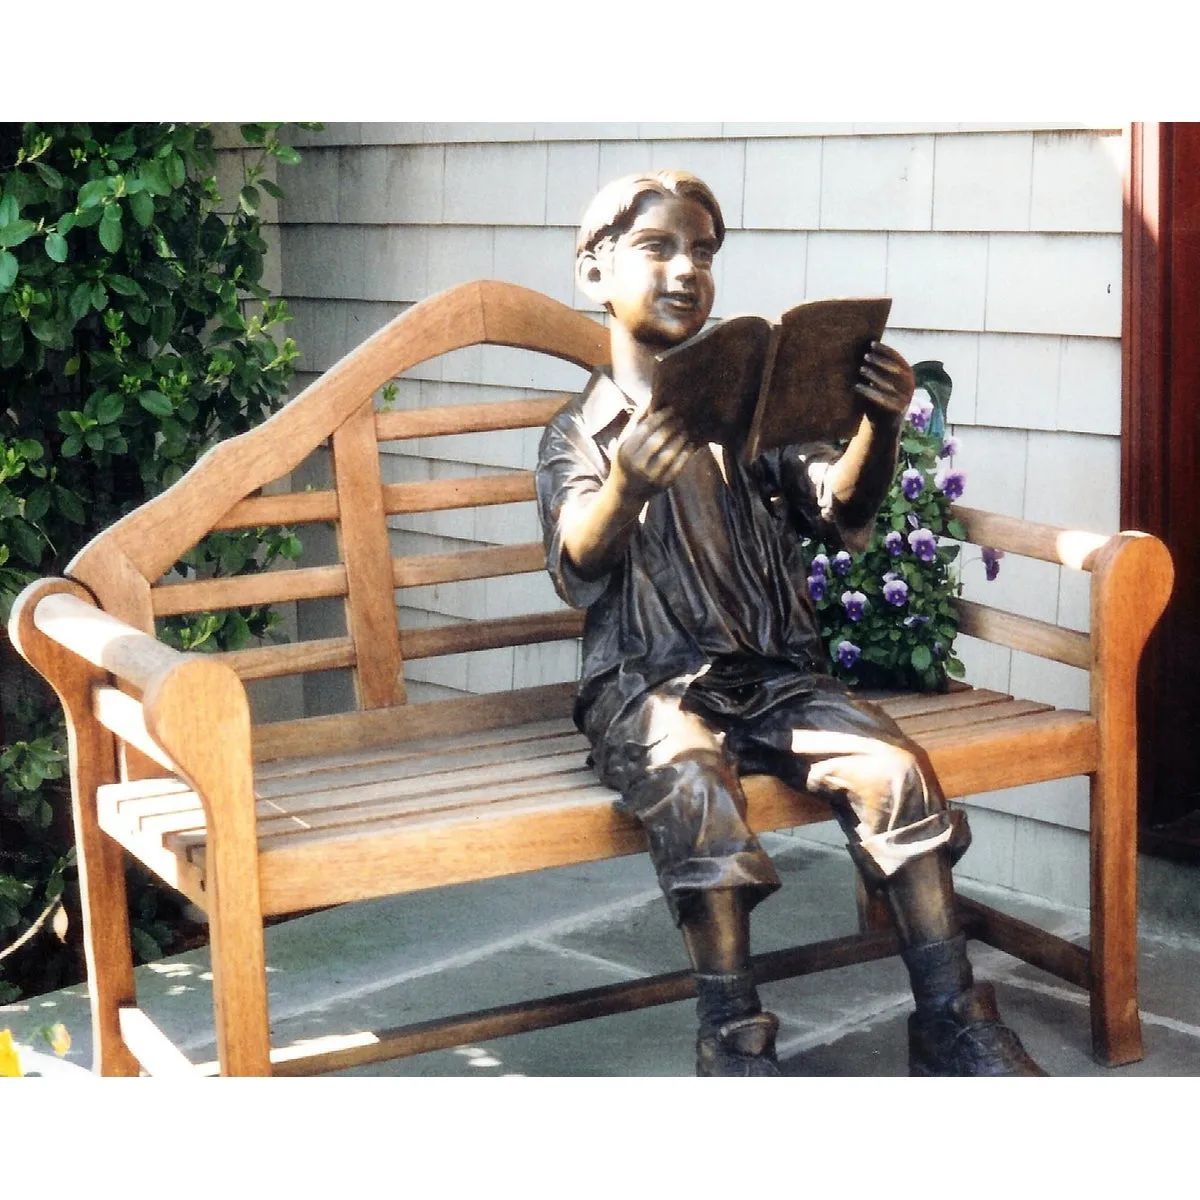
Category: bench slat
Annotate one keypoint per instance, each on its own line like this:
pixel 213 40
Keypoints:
pixel 440 495
pixel 1025 633
pixel 287 508
pixel 422 569
pixel 410 722
pixel 313 583
pixel 466 418
pixel 1050 543
pixel 489 635
pixel 271 587
pixel 300 508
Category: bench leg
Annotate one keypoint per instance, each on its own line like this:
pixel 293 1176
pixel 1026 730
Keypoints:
pixel 239 983
pixel 1116 1026
pixel 101 865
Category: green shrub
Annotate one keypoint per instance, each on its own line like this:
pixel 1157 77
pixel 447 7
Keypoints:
pixel 134 332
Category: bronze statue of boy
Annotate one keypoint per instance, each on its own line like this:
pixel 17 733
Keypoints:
pixel 701 650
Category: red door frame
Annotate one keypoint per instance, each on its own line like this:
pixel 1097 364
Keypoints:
pixel 1160 452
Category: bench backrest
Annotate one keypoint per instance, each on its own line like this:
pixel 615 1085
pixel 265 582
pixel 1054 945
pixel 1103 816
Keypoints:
pixel 125 566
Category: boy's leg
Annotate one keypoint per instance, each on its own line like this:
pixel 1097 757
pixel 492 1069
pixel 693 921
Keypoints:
pixel 903 839
pixel 675 778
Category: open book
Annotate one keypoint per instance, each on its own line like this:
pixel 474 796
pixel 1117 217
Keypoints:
pixel 752 384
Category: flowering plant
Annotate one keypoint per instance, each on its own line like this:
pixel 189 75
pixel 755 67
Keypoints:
pixel 888 618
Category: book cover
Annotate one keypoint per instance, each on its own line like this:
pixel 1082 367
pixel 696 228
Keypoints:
pixel 752 384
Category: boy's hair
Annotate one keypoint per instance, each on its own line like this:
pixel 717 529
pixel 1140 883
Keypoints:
pixel 612 211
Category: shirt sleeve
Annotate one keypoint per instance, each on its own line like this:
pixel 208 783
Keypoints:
pixel 801 475
pixel 569 469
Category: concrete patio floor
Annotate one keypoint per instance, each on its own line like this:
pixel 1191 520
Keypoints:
pixel 389 962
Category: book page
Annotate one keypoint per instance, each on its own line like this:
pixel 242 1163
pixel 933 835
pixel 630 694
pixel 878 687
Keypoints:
pixel 713 380
pixel 810 392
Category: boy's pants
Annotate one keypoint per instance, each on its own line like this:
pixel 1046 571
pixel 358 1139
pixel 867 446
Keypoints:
pixel 676 760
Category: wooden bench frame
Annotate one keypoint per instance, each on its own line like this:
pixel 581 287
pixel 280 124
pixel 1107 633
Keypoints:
pixel 166 764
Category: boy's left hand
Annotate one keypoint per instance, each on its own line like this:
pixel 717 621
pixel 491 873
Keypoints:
pixel 886 382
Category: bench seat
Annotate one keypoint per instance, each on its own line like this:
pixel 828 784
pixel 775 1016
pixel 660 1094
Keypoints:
pixel 434 811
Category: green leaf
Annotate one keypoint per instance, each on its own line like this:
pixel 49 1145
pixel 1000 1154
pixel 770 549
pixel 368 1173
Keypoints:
pixel 80 301
pixel 124 286
pixel 110 407
pixel 93 192
pixel 49 332
pixel 156 403
pixel 56 247
pixel 69 504
pixel 50 176
pixel 16 232
pixel 287 155
pixel 99 296
pixel 66 222
pixel 955 668
pixel 111 233
pixel 176 174
pixel 37 504
pixel 144 946
pixel 72 445
pixel 254 133
pixel 9 210
pixel 249 199
pixel 141 205
pixel 271 189
pixel 8 270
pixel 155 179
pixel 920 658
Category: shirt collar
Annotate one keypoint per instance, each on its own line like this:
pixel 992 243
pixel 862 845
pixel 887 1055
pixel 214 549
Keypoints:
pixel 602 403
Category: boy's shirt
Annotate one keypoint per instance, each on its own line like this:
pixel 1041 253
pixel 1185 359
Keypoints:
pixel 712 577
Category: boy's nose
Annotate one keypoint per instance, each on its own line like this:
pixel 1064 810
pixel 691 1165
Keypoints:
pixel 683 266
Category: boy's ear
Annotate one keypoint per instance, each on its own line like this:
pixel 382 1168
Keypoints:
pixel 592 276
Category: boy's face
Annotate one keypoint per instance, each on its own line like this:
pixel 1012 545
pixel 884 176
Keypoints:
pixel 657 278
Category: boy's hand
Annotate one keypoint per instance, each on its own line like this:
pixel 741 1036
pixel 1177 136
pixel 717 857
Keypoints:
pixel 887 383
pixel 652 454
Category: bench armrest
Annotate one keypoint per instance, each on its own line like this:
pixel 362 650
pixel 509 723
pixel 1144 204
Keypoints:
pixel 192 716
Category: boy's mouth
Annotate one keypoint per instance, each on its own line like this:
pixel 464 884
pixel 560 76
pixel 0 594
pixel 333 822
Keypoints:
pixel 684 300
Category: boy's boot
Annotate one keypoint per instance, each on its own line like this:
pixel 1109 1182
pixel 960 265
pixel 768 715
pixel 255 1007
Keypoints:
pixel 956 1028
pixel 735 1038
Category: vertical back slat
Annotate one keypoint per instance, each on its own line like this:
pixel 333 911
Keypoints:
pixel 367 554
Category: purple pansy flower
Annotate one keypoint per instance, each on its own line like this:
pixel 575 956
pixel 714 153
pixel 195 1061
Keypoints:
pixel 853 603
pixel 915 621
pixel 951 481
pixel 894 543
pixel 949 447
pixel 913 482
pixel 820 565
pixel 919 412
pixel 841 563
pixel 895 592
pixel 991 562
pixel 923 544
pixel 816 588
pixel 847 653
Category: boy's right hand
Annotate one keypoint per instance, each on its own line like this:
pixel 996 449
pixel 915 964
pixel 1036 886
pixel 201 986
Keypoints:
pixel 651 455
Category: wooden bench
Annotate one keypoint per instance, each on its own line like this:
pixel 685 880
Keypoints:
pixel 253 821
